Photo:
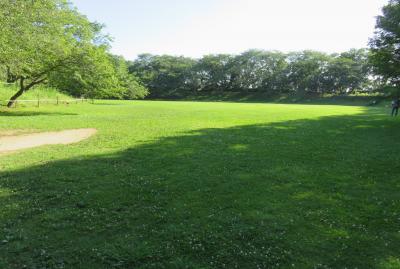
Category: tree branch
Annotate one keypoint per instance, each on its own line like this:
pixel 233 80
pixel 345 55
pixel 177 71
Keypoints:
pixel 33 83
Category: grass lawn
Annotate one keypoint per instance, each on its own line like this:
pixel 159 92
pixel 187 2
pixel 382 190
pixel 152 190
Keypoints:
pixel 203 185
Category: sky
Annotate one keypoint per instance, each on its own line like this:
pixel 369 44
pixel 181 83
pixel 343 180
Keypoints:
pixel 197 27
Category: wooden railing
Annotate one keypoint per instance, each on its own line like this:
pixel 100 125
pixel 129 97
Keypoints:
pixel 57 101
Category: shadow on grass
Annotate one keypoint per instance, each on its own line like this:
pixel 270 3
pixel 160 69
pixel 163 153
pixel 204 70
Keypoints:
pixel 302 194
pixel 33 113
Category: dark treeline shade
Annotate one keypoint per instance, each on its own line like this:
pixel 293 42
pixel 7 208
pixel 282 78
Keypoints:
pixel 255 71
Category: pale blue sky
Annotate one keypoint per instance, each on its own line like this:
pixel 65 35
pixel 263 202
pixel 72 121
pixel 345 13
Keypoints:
pixel 197 27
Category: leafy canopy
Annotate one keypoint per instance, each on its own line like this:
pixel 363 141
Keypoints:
pixel 385 45
pixel 37 36
pixel 50 41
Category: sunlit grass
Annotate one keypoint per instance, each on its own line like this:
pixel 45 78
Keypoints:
pixel 203 185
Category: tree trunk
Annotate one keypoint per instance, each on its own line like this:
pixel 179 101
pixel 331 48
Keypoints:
pixel 14 97
pixel 17 94
pixel 23 88
pixel 10 77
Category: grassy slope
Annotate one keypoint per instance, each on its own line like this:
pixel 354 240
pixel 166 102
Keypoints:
pixel 203 185
pixel 6 91
pixel 353 100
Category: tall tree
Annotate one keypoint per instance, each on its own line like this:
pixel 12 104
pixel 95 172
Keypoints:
pixel 348 71
pixel 39 37
pixel 165 75
pixel 128 85
pixel 257 70
pixel 99 75
pixel 385 45
pixel 307 71
pixel 213 72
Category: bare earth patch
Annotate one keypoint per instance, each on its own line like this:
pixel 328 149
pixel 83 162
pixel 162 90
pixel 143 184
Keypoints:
pixel 10 143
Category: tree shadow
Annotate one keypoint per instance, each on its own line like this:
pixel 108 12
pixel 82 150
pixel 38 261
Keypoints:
pixel 303 194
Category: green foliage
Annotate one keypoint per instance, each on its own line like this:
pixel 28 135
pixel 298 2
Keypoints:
pixel 306 71
pixel 213 72
pixel 50 41
pixel 385 46
pixel 349 72
pixel 260 71
pixel 92 75
pixel 255 71
pixel 164 75
pixel 127 84
pixel 203 185
pixel 39 36
pixel 100 75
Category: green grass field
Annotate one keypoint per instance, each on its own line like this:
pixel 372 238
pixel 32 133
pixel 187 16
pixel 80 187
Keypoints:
pixel 203 185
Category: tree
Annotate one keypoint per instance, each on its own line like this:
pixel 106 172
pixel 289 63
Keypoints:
pixel 307 71
pixel 165 76
pixel 99 75
pixel 385 45
pixel 212 72
pixel 40 37
pixel 93 77
pixel 348 71
pixel 128 85
pixel 257 70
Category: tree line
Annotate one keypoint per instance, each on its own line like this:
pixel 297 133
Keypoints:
pixel 255 71
pixel 49 41
pixel 273 73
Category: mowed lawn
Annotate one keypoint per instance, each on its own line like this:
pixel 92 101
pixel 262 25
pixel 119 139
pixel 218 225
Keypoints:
pixel 203 185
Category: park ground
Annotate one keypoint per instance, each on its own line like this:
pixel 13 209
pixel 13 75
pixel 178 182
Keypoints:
pixel 203 185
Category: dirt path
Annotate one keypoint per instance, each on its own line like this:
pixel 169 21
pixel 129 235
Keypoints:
pixel 17 142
